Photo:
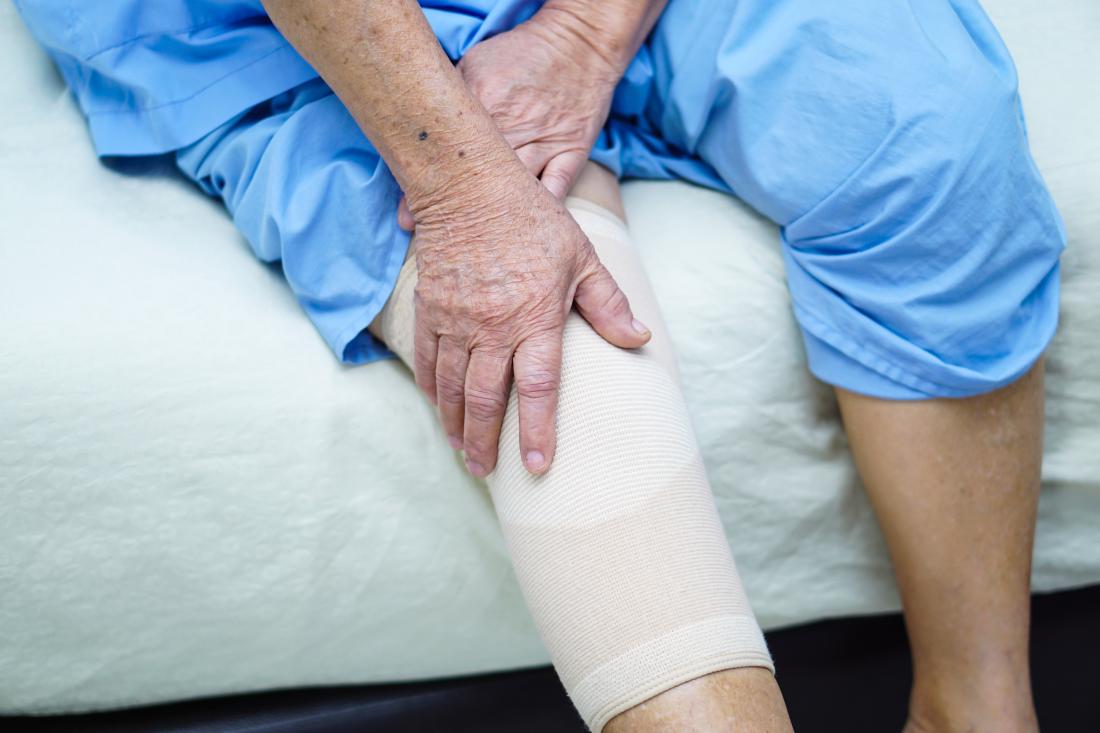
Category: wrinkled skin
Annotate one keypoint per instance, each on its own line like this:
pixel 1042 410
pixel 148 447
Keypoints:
pixel 491 302
pixel 548 91
pixel 496 310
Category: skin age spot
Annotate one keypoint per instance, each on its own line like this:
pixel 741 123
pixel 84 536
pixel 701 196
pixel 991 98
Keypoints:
pixel 423 135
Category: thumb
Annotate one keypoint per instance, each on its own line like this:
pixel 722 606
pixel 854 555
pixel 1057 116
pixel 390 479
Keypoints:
pixel 405 218
pixel 561 171
pixel 604 305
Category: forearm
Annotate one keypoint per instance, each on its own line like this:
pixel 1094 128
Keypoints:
pixel 384 63
pixel 615 29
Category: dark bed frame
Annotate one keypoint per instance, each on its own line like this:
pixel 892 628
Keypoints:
pixel 841 676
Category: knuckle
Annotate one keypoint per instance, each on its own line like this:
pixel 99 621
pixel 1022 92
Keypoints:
pixel 537 385
pixel 448 389
pixel 589 267
pixel 484 405
pixel 481 443
pixel 616 302
pixel 421 297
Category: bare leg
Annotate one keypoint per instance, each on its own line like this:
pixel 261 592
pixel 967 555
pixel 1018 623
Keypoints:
pixel 955 485
pixel 745 700
pixel 599 185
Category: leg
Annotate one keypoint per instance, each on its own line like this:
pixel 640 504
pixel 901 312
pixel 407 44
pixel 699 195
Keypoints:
pixel 955 484
pixel 733 699
pixel 618 549
pixel 922 252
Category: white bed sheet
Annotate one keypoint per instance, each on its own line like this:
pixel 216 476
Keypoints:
pixel 196 499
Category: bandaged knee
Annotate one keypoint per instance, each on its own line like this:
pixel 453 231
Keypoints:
pixel 618 549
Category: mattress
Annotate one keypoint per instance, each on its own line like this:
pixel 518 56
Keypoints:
pixel 197 499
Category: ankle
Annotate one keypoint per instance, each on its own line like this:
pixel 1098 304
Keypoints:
pixel 1003 706
pixel 926 721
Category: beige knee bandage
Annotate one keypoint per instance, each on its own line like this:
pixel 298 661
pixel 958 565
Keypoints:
pixel 618 549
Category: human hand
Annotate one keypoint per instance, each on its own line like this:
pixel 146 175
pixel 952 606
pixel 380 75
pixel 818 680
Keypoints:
pixel 547 90
pixel 500 264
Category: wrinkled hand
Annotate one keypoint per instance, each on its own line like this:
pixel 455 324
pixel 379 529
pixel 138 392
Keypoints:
pixel 548 92
pixel 500 264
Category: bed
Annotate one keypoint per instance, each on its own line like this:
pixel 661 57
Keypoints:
pixel 196 499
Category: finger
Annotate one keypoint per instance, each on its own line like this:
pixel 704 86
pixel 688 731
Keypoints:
pixel 425 350
pixel 450 387
pixel 405 218
pixel 537 366
pixel 603 304
pixel 533 157
pixel 488 381
pixel 561 171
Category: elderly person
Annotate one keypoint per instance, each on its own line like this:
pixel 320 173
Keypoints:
pixel 885 138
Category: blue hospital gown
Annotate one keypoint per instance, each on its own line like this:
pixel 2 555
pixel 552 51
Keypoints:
pixel 885 137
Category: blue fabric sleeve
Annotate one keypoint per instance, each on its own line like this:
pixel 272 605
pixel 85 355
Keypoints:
pixel 885 138
pixel 153 76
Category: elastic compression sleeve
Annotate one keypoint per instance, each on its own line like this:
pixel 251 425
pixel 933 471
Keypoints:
pixel 618 548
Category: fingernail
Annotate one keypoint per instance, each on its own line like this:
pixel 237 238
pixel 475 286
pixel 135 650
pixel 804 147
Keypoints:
pixel 535 460
pixel 640 327
pixel 475 468
pixel 456 443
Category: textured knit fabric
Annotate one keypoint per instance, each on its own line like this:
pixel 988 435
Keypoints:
pixel 884 136
pixel 618 549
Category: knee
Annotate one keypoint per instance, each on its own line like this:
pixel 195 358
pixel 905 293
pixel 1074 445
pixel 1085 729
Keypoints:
pixel 952 158
pixel 896 118
pixel 935 262
pixel 963 146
